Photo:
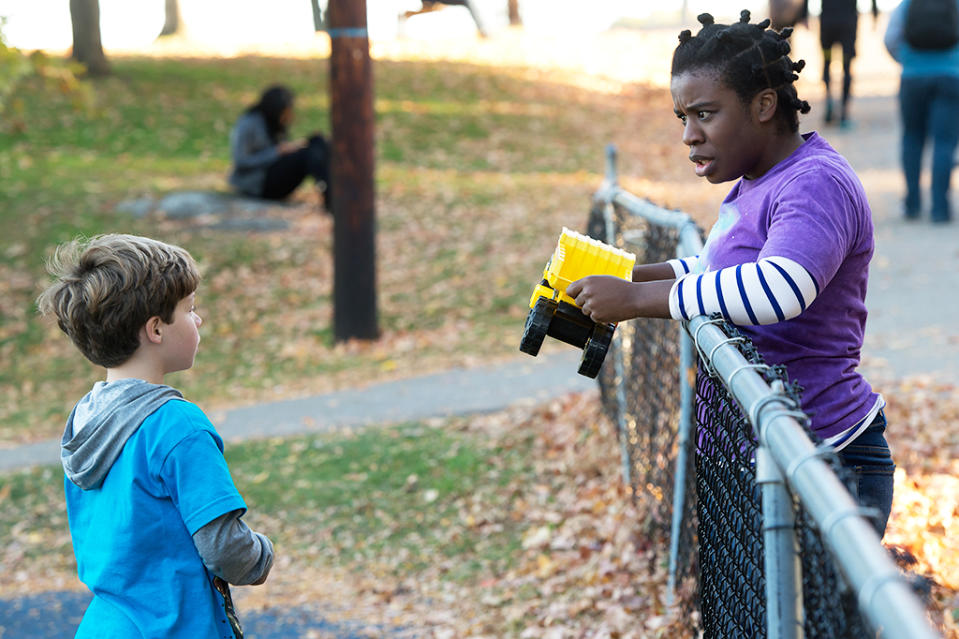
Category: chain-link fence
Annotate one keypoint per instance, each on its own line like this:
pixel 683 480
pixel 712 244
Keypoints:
pixel 753 512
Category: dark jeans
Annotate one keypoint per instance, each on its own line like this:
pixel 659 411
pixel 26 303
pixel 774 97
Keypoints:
pixel 869 460
pixel 928 109
pixel 831 34
pixel 289 170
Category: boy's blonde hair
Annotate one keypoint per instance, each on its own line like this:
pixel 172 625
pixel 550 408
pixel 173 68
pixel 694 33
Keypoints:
pixel 108 286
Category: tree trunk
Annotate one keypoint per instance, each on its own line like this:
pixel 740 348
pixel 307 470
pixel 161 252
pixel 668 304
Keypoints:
pixel 87 47
pixel 354 220
pixel 318 24
pixel 476 17
pixel 171 24
pixel 513 8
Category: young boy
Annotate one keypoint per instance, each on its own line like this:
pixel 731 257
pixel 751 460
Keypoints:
pixel 153 511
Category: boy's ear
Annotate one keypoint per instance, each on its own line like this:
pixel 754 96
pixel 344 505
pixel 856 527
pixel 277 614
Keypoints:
pixel 153 330
pixel 765 104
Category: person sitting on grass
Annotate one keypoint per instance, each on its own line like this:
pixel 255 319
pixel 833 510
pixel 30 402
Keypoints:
pixel 153 512
pixel 787 260
pixel 266 164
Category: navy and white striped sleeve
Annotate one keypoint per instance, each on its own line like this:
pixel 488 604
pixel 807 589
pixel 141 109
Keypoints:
pixel 682 266
pixel 774 289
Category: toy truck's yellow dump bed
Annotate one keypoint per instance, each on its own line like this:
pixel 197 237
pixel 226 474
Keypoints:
pixel 554 313
pixel 577 256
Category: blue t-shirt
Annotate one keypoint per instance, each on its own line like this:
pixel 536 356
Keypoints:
pixel 812 209
pixel 132 535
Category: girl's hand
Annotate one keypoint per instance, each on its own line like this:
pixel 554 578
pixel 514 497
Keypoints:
pixel 607 299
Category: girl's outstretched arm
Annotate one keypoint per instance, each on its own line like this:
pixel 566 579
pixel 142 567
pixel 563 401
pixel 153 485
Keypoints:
pixel 605 298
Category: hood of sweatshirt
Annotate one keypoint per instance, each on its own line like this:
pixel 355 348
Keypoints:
pixel 102 422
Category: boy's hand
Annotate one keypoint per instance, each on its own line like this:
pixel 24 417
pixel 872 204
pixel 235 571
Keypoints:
pixel 603 298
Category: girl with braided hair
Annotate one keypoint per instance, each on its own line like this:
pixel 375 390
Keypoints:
pixel 787 260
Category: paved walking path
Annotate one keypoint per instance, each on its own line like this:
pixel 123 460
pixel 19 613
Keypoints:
pixel 913 296
pixel 454 392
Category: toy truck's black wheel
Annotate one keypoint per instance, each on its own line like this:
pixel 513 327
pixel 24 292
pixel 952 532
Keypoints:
pixel 595 350
pixel 537 323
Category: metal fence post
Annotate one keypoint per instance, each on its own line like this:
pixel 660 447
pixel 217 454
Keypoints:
pixel 621 412
pixel 883 594
pixel 618 368
pixel 781 558
pixel 610 176
pixel 687 362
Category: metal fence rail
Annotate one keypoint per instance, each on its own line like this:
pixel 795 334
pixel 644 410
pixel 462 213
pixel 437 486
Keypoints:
pixel 712 438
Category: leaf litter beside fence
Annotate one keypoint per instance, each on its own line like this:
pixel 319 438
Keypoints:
pixel 553 546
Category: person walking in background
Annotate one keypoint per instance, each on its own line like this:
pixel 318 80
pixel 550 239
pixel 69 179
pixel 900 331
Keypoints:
pixel 923 37
pixel 838 24
pixel 154 515
pixel 266 163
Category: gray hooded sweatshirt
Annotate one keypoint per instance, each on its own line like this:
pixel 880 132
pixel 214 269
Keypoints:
pixel 96 431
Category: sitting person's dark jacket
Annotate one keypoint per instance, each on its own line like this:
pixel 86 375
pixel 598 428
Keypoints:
pixel 265 163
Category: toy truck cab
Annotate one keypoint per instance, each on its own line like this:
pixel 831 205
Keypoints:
pixel 554 313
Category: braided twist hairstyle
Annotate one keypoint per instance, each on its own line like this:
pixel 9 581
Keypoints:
pixel 748 58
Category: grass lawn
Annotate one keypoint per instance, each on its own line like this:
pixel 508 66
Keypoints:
pixel 392 495
pixel 478 168
pixel 401 497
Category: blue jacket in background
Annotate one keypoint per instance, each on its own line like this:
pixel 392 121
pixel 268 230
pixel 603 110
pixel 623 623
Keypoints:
pixel 916 63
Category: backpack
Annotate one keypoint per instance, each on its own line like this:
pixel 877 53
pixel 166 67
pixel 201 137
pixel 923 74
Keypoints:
pixel 932 24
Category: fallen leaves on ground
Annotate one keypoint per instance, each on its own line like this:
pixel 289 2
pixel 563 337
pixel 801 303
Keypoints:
pixel 585 566
pixel 923 433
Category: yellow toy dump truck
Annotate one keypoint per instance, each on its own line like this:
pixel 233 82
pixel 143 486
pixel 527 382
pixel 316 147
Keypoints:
pixel 554 313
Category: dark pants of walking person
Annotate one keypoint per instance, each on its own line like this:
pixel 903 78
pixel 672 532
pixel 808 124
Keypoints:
pixel 843 34
pixel 927 106
pixel 289 171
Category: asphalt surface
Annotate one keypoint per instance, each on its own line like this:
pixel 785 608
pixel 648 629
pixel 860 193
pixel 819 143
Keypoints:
pixel 56 615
